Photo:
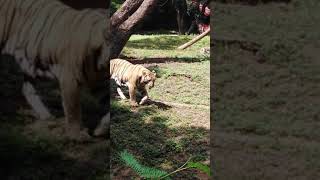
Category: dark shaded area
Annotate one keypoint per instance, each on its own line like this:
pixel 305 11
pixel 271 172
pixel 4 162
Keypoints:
pixel 22 158
pixel 25 157
pixel 152 142
pixel 11 79
pixel 84 4
pixel 161 60
pixel 159 105
pixel 163 17
pixel 251 2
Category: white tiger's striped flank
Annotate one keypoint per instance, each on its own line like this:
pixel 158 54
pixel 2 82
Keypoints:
pixel 135 77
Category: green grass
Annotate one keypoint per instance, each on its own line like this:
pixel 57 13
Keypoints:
pixel 159 138
pixel 163 46
pixel 179 82
pixel 183 83
pixel 295 20
pixel 273 105
pixel 23 157
pixel 115 4
pixel 286 79
pixel 160 135
pixel 282 30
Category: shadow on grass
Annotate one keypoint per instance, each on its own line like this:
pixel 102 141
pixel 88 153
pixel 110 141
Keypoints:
pixel 146 134
pixel 159 105
pixel 11 79
pixel 22 158
pixel 41 156
pixel 163 60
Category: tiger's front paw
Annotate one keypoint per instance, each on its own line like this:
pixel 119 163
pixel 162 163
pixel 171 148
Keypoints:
pixel 75 134
pixel 81 136
pixel 104 126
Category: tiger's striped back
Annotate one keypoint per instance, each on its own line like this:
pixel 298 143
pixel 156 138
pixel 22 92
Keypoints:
pixel 124 71
pixel 40 32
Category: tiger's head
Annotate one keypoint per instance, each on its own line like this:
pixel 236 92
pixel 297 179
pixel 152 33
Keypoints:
pixel 148 78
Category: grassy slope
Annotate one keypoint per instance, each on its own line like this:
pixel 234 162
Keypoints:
pixel 160 135
pixel 141 46
pixel 183 83
pixel 267 113
pixel 175 78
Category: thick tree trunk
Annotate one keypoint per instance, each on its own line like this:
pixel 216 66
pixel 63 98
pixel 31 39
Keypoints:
pixel 125 21
pixel 181 9
pixel 126 10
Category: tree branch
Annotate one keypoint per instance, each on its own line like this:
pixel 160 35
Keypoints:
pixel 124 12
pixel 145 8
pixel 125 21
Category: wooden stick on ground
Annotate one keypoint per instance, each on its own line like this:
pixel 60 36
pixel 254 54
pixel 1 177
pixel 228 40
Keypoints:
pixel 194 40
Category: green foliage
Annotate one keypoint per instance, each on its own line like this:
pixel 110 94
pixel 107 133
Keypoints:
pixel 199 166
pixel 116 4
pixel 149 172
pixel 143 171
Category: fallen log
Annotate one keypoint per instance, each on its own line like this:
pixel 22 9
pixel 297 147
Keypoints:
pixel 194 40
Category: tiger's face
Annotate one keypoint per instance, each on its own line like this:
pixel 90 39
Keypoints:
pixel 148 78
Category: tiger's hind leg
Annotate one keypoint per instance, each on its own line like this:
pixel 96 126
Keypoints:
pixel 70 91
pixel 28 89
pixel 35 101
pixel 121 93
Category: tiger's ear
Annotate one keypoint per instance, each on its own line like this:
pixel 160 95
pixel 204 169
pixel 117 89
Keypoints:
pixel 142 76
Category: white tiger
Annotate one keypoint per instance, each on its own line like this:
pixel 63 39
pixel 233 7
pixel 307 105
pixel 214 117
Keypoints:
pixel 135 77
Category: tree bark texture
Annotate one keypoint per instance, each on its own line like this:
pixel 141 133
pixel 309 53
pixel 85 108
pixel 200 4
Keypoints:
pixel 125 20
